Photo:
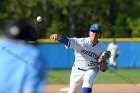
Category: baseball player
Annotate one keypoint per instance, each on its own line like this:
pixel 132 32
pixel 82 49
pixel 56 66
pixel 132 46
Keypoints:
pixel 115 51
pixel 89 57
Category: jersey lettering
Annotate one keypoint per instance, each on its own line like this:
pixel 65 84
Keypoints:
pixel 92 63
pixel 89 53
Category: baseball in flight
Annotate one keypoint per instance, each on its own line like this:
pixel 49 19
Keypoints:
pixel 39 19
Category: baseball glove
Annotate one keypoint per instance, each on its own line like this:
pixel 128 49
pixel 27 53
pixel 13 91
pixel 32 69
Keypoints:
pixel 102 61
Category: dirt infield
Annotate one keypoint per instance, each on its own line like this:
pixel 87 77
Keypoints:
pixel 100 88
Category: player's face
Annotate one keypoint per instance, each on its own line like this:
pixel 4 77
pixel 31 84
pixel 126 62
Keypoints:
pixel 94 35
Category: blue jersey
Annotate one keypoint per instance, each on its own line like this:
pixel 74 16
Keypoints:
pixel 21 69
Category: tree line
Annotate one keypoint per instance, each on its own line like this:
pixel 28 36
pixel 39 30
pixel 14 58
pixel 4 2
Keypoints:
pixel 119 18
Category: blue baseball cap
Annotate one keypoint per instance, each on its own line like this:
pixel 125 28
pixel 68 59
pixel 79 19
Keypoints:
pixel 96 27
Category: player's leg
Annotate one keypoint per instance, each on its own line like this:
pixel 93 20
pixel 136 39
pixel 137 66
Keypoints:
pixel 75 86
pixel 88 79
pixel 114 66
pixel 76 81
pixel 111 64
pixel 115 63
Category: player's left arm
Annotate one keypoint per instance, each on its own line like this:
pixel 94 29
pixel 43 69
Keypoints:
pixel 102 61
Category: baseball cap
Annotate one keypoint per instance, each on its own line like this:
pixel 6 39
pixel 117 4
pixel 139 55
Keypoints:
pixel 21 29
pixel 96 27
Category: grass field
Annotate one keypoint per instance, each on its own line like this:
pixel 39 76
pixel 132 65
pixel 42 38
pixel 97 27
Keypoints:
pixel 131 76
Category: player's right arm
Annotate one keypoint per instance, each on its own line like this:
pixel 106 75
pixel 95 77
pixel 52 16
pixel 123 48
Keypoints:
pixel 69 42
pixel 60 38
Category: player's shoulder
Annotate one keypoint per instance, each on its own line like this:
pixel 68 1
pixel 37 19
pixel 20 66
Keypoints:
pixel 83 39
pixel 33 49
pixel 110 44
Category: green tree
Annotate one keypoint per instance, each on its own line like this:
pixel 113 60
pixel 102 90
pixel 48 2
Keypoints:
pixel 119 18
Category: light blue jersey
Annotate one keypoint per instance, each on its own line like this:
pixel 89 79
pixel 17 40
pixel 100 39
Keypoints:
pixel 21 69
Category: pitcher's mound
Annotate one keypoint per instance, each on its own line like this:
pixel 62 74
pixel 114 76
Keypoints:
pixel 64 89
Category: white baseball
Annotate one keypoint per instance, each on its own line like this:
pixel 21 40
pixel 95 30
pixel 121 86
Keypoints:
pixel 39 19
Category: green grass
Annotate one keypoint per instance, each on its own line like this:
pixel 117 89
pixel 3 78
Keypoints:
pixel 58 76
pixel 131 76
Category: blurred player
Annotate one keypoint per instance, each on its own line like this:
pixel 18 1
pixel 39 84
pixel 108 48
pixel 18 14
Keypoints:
pixel 115 51
pixel 21 67
pixel 87 54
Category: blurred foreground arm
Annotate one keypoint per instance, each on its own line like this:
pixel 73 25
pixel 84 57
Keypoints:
pixel 35 78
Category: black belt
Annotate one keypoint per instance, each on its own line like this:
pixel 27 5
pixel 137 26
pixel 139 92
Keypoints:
pixel 81 68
